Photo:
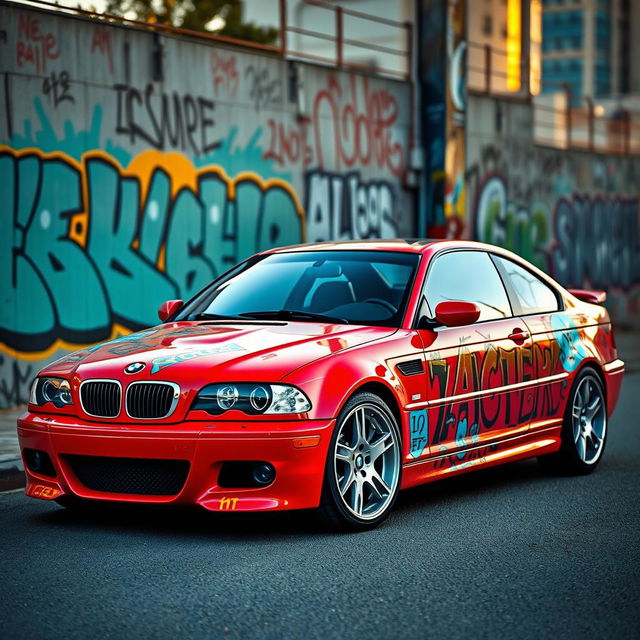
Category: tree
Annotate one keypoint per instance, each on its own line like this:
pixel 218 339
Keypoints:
pixel 223 17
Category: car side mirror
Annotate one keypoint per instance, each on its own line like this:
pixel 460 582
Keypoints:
pixel 456 313
pixel 168 308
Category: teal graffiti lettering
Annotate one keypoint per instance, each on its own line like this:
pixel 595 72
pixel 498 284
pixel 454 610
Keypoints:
pixel 88 247
pixel 418 426
pixel 184 356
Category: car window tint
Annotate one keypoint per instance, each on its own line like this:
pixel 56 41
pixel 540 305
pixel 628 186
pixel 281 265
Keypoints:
pixel 315 285
pixel 394 275
pixel 347 285
pixel 533 295
pixel 469 276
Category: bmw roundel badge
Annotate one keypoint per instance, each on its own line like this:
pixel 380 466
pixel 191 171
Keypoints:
pixel 134 367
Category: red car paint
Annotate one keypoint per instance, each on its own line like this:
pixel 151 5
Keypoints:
pixel 489 393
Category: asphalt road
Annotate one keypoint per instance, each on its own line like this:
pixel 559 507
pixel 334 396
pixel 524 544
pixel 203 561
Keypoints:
pixel 498 553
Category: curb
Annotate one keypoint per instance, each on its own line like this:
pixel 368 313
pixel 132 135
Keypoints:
pixel 11 474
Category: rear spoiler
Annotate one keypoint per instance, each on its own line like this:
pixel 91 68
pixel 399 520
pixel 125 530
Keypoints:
pixel 592 297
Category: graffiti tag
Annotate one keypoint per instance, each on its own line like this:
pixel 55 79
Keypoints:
pixel 344 206
pixel 183 232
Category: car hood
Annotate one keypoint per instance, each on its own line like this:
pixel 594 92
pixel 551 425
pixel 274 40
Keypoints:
pixel 209 351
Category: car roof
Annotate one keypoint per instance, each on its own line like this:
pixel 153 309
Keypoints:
pixel 407 245
pixel 424 246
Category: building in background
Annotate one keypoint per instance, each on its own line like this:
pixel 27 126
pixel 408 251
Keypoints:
pixel 505 42
pixel 591 46
pixel 139 182
pixel 374 44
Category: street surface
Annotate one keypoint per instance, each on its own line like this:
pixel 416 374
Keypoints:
pixel 508 552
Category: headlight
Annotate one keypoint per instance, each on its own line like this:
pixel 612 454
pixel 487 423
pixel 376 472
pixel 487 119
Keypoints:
pixel 288 399
pixel 55 390
pixel 251 398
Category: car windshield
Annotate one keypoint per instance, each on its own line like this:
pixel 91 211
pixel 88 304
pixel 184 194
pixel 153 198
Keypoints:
pixel 343 287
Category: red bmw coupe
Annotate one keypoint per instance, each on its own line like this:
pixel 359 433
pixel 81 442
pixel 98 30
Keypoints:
pixel 330 376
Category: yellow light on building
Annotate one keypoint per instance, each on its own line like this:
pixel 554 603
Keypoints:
pixel 514 44
pixel 535 46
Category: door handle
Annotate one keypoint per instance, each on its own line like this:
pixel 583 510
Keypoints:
pixel 518 336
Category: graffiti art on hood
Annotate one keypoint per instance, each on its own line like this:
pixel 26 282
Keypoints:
pixel 191 354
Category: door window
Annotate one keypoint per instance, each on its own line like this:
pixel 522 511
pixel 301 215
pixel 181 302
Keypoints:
pixel 469 276
pixel 532 294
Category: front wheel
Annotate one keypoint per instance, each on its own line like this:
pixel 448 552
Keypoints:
pixel 362 473
pixel 584 430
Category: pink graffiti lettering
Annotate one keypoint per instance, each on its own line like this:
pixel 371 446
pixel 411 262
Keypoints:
pixel 289 144
pixel 224 73
pixel 361 127
pixel 33 46
pixel 101 42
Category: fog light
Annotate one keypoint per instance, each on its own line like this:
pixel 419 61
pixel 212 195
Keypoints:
pixel 264 473
pixel 36 461
pixel 39 462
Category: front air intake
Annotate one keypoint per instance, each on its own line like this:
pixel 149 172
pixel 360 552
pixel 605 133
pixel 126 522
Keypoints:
pixel 410 367
pixel 151 400
pixel 133 476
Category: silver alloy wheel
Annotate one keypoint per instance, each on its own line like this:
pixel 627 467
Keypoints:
pixel 589 420
pixel 367 461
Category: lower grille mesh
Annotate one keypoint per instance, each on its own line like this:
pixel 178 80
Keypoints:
pixel 139 476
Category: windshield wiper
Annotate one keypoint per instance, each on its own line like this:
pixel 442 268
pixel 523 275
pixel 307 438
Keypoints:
pixel 286 314
pixel 214 316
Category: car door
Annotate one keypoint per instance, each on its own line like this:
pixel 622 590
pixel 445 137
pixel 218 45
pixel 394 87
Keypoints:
pixel 540 306
pixel 474 372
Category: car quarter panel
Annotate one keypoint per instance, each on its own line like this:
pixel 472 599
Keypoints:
pixel 565 341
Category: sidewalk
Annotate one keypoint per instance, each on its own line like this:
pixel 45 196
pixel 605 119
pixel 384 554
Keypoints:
pixel 12 471
pixel 628 343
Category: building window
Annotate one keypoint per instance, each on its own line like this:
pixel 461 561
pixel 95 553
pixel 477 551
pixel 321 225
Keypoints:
pixel 514 44
pixel 535 46
pixel 487 25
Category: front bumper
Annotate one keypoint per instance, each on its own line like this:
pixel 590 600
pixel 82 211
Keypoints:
pixel 205 445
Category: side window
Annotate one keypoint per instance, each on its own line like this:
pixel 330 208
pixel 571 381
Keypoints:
pixel 534 296
pixel 469 276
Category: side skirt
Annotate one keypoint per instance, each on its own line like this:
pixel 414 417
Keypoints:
pixel 443 465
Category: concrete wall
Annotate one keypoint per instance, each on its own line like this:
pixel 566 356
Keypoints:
pixel 574 214
pixel 135 168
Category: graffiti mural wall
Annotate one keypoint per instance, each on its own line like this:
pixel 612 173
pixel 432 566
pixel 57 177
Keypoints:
pixel 574 214
pixel 136 167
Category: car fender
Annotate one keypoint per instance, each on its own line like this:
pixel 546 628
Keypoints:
pixel 329 383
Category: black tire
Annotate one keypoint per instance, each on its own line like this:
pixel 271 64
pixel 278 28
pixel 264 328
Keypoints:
pixel 572 459
pixel 374 474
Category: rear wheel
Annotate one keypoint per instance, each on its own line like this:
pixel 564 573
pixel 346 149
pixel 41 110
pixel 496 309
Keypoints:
pixel 584 430
pixel 362 473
